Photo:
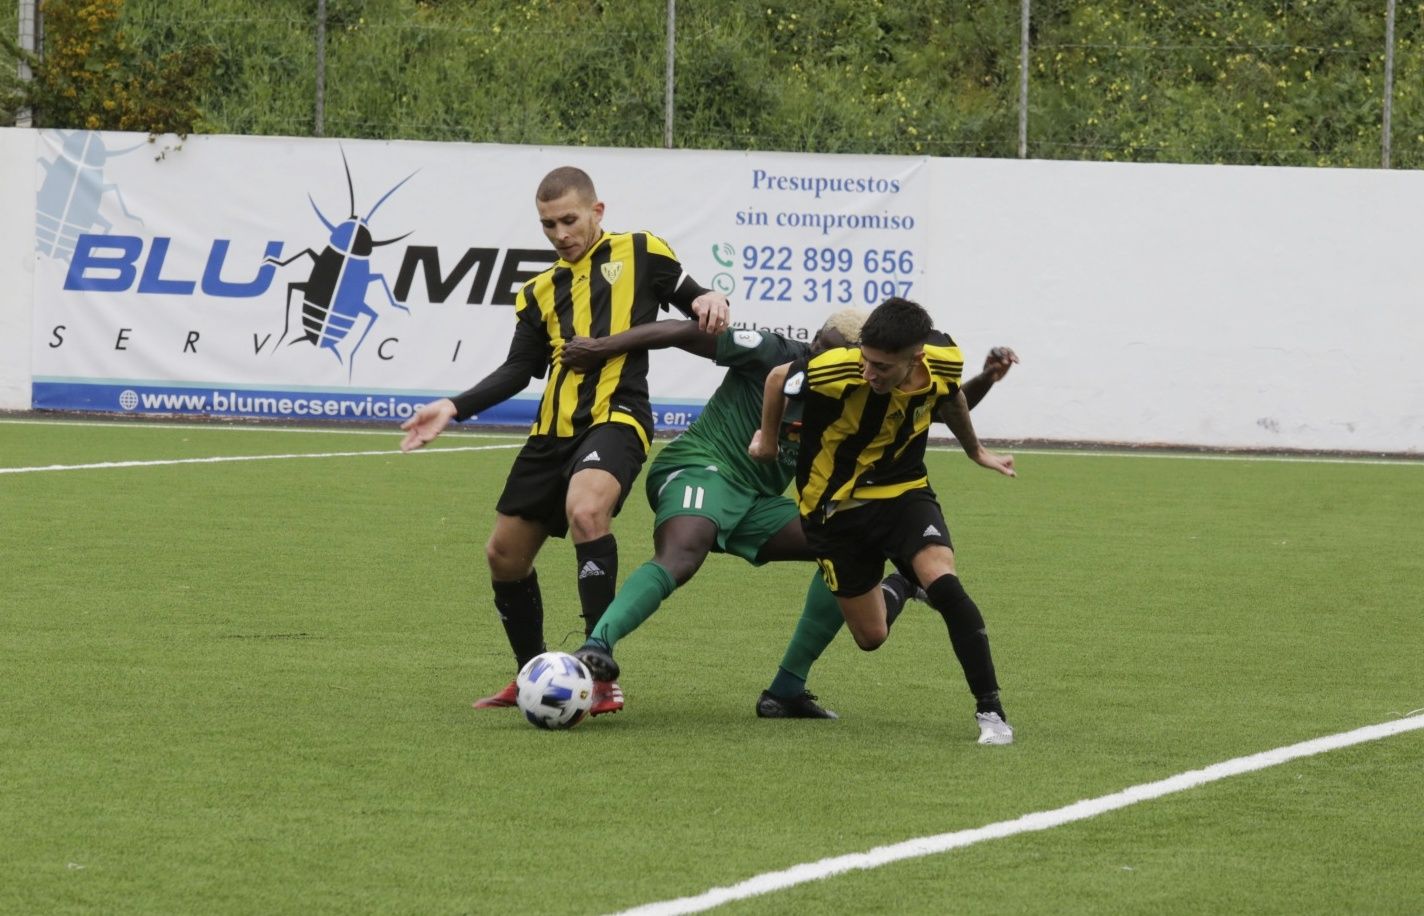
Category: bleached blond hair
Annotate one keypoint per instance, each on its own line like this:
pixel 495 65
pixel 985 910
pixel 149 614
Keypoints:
pixel 847 322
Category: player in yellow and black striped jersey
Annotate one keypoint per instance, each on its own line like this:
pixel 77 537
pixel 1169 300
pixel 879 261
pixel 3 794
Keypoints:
pixel 623 282
pixel 592 430
pixel 860 444
pixel 863 489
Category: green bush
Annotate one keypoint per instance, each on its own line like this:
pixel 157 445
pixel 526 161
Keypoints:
pixel 92 76
pixel 1294 82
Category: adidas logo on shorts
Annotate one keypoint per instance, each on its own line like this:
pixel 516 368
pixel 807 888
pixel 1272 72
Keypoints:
pixel 591 456
pixel 932 532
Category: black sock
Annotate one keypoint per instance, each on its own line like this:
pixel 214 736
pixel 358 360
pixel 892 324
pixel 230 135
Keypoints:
pixel 597 578
pixel 521 610
pixel 892 588
pixel 969 639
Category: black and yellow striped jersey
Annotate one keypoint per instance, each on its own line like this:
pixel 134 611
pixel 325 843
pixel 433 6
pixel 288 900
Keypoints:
pixel 622 281
pixel 856 444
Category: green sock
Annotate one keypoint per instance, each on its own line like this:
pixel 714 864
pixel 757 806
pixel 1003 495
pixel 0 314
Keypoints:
pixel 820 622
pixel 635 602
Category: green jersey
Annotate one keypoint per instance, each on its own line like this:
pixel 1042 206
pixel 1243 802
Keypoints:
pixel 720 435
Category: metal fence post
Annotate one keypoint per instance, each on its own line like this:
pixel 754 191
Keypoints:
pixel 319 119
pixel 1388 83
pixel 29 41
pixel 668 87
pixel 1024 13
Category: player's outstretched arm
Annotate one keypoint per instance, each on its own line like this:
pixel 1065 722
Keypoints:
pixel 530 354
pixel 766 441
pixel 713 312
pixel 428 422
pixel 955 413
pixel 585 353
pixel 996 366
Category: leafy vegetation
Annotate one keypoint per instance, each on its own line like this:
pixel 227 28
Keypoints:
pixel 91 75
pixel 1295 82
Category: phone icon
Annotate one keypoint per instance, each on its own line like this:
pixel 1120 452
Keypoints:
pixel 724 254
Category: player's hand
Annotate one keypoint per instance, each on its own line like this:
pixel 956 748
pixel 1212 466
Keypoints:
pixel 997 363
pixel 427 423
pixel 759 448
pixel 713 312
pixel 582 353
pixel 1004 464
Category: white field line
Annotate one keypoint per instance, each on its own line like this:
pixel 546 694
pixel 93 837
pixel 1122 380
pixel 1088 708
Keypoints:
pixel 160 462
pixel 1040 820
pixel 936 447
pixel 1186 456
pixel 393 432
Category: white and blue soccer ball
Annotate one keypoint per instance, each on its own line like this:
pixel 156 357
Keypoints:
pixel 555 690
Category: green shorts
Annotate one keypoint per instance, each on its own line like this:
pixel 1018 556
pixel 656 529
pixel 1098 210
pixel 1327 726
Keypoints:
pixel 745 520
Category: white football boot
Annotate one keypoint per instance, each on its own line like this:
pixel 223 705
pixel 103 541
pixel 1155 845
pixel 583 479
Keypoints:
pixel 993 729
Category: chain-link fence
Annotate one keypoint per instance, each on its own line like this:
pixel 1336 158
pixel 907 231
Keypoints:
pixel 1278 82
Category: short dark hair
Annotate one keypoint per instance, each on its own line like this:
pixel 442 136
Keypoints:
pixel 564 179
pixel 895 325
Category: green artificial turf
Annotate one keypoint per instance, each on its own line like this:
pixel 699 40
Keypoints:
pixel 244 687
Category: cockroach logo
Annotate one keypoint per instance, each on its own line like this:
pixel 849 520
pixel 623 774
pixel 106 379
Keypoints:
pixel 333 296
pixel 70 197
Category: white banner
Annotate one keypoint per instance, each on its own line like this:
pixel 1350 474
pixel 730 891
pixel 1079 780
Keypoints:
pixel 175 281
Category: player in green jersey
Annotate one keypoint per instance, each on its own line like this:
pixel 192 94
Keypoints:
pixel 709 495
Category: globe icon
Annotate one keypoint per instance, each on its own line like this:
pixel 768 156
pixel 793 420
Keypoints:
pixel 128 399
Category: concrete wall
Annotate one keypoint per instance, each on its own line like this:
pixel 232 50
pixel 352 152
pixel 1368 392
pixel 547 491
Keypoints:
pixel 17 264
pixel 1197 305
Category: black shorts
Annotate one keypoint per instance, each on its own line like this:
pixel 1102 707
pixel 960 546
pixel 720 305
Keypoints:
pixel 852 546
pixel 538 482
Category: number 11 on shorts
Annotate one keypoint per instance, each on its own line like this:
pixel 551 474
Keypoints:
pixel 692 497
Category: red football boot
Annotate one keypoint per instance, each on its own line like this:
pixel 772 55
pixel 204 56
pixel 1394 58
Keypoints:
pixel 607 697
pixel 505 698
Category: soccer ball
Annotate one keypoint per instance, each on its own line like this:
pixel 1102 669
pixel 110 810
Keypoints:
pixel 555 690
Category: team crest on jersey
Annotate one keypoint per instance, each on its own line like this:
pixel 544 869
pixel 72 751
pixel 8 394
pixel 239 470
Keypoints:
pixel 920 413
pixel 748 339
pixel 611 271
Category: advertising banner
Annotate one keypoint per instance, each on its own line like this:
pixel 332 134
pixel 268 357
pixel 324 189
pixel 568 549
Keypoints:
pixel 353 280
